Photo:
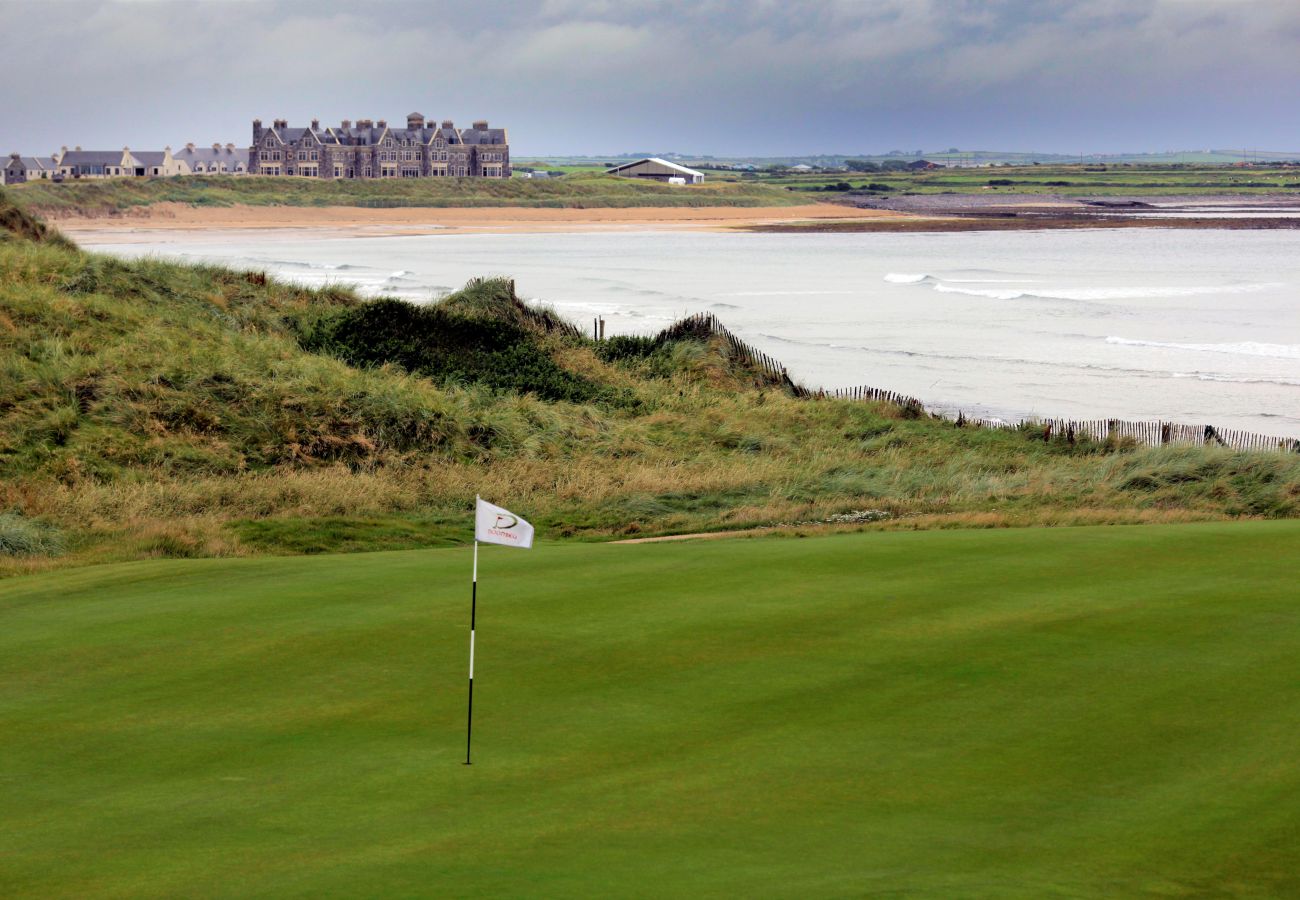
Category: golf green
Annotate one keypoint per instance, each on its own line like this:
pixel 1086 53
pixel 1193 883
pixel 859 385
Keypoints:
pixel 1094 712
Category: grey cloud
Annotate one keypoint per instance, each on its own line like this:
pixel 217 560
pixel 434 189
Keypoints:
pixel 721 76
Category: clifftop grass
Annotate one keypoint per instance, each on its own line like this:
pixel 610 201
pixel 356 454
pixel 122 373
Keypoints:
pixel 155 409
pixel 112 196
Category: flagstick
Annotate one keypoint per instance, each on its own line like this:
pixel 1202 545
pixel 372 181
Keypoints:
pixel 473 610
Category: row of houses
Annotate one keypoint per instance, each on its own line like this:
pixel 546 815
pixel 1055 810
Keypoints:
pixel 364 149
pixel 374 149
pixel 77 164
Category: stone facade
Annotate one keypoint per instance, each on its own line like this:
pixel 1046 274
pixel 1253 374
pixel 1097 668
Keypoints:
pixel 370 149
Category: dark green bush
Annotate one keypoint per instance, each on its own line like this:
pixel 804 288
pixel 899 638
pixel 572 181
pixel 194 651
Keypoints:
pixel 449 347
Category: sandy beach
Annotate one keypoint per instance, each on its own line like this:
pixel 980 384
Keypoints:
pixel 900 215
pixel 459 220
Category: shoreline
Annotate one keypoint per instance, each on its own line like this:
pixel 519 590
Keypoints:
pixel 921 215
pixel 395 221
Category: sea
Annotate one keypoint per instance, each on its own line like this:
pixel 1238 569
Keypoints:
pixel 1193 326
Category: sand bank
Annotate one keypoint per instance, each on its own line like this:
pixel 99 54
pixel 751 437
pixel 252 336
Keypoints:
pixel 459 220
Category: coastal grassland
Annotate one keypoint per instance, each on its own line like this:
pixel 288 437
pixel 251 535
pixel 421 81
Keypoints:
pixel 155 409
pixel 1101 712
pixel 1061 180
pixel 115 196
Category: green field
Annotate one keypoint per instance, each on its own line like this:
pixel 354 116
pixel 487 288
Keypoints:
pixel 109 196
pixel 1100 712
pixel 1063 180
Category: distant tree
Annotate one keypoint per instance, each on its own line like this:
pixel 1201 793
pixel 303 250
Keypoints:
pixel 878 186
pixel 861 165
pixel 893 165
pixel 953 150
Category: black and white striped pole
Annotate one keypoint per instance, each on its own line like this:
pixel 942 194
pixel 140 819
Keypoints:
pixel 492 525
pixel 473 610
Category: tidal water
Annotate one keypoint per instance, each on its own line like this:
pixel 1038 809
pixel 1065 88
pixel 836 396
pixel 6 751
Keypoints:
pixel 1184 325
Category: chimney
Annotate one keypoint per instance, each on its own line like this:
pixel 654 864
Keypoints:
pixel 315 124
pixel 347 123
pixel 189 147
pixel 257 130
pixel 382 123
pixel 216 147
pixel 446 123
pixel 77 148
pixel 415 121
pixel 481 125
pixel 230 148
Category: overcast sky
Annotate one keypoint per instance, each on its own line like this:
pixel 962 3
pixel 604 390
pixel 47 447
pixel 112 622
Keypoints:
pixel 741 77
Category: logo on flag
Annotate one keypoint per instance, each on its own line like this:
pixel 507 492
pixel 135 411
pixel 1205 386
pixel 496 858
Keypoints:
pixel 495 525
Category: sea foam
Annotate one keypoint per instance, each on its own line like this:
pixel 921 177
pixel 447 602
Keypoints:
pixel 1237 348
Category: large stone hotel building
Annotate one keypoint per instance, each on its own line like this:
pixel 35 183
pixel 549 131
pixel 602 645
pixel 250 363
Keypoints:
pixel 370 149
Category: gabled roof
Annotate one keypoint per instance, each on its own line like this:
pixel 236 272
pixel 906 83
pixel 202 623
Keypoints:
pixel 92 158
pixel 149 157
pixel 657 160
pixel 290 135
pixel 29 162
pixel 212 154
pixel 483 135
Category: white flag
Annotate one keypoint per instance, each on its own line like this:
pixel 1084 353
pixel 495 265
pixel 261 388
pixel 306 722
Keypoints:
pixel 495 525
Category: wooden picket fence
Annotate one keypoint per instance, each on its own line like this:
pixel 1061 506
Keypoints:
pixel 1152 434
pixel 706 325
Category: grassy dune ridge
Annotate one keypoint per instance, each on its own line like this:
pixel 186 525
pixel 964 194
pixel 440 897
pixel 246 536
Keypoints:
pixel 155 409
pixel 116 196
pixel 1100 712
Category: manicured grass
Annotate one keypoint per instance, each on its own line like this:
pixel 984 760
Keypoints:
pixel 1094 712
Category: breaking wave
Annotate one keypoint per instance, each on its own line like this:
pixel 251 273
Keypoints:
pixel 946 286
pixel 1238 379
pixel 1238 348
pixel 904 278
pixel 782 293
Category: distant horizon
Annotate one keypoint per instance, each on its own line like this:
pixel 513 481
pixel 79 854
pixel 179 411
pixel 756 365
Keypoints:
pixel 1245 153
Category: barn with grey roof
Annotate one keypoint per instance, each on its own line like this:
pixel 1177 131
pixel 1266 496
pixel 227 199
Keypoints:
pixel 655 169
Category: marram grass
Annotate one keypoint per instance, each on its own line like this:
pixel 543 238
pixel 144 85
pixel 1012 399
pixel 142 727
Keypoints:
pixel 156 409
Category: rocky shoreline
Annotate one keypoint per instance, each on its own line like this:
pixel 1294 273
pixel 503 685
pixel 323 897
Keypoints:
pixel 1021 212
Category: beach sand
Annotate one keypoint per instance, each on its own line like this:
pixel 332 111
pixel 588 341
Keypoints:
pixel 458 220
